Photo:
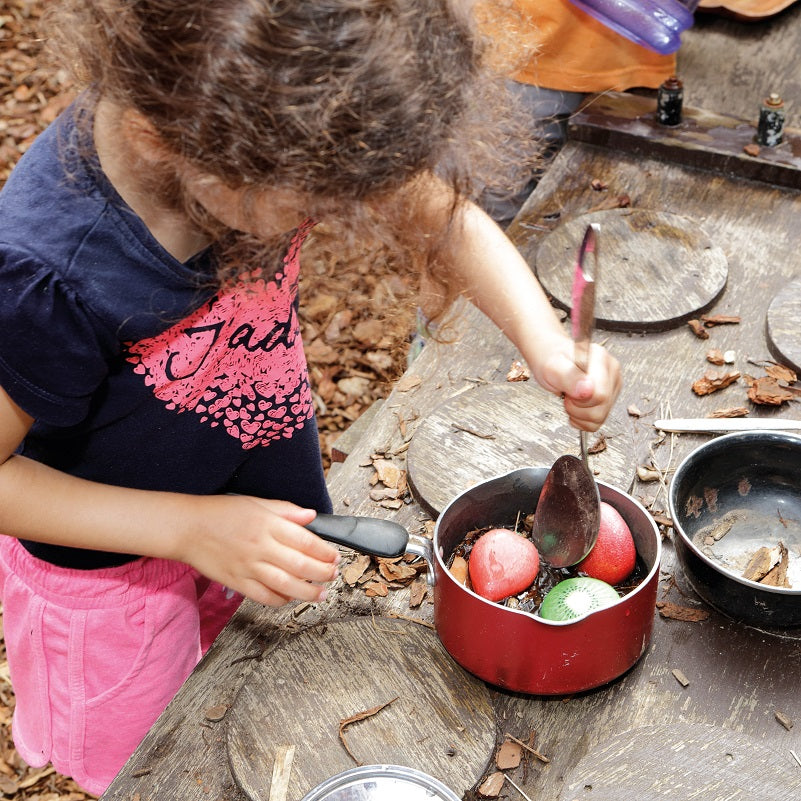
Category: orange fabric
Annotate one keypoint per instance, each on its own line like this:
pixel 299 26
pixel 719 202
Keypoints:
pixel 573 51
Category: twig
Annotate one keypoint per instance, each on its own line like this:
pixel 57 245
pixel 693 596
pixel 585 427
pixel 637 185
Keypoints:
pixel 412 620
pixel 537 754
pixel 458 427
pixel 385 631
pixel 246 657
pixel 368 713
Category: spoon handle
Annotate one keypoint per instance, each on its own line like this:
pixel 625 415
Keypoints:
pixel 583 309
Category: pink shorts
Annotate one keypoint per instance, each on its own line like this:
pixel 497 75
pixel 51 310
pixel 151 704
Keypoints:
pixel 96 655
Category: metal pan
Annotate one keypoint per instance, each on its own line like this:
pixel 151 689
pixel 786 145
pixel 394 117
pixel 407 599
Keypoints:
pixel 508 647
pixel 730 498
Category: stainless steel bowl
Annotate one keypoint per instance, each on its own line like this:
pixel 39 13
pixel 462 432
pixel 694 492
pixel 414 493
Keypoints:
pixel 381 783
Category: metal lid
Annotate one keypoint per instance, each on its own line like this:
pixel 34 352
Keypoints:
pixel 381 783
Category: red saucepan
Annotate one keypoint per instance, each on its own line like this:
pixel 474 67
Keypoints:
pixel 506 647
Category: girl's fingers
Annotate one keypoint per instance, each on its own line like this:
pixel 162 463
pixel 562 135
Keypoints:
pixel 278 587
pixel 297 537
pixel 299 549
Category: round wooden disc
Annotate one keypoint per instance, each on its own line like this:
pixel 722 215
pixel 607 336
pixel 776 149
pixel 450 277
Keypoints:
pixel 493 429
pixel 682 760
pixel 784 326
pixel 655 270
pixel 438 718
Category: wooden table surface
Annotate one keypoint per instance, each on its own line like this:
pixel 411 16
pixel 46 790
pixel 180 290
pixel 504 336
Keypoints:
pixel 281 682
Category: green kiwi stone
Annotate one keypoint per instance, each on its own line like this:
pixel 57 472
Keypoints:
pixel 577 597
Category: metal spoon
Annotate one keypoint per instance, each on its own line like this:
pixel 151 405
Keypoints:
pixel 568 512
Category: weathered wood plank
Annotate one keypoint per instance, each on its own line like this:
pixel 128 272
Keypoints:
pixel 489 430
pixel 682 760
pixel 729 66
pixel 784 326
pixel 437 718
pixel 707 140
pixel 656 270
pixel 739 677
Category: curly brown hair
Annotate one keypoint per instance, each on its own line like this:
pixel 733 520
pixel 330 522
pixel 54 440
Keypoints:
pixel 346 100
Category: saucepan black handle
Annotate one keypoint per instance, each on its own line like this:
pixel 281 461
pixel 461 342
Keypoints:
pixel 369 535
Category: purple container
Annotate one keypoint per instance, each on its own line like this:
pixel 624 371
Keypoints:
pixel 656 24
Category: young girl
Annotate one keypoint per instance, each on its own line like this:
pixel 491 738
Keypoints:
pixel 157 433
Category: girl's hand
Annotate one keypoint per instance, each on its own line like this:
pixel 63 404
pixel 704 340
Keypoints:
pixel 588 397
pixel 259 548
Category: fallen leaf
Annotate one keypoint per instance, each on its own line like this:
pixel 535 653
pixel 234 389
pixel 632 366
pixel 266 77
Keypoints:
pixel 352 572
pixel 766 391
pixel 688 614
pixel 459 569
pixel 418 592
pixel 491 786
pixel 389 474
pixel 518 372
pixel 508 756
pixel 345 722
pixel 599 446
pixel 396 570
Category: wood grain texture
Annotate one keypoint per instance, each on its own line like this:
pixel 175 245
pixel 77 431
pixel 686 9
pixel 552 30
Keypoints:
pixel 439 721
pixel 704 139
pixel 784 325
pixel 739 677
pixel 682 761
pixel 656 270
pixel 489 430
pixel 729 66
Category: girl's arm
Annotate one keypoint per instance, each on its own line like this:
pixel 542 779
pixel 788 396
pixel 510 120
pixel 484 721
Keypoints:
pixel 489 270
pixel 257 547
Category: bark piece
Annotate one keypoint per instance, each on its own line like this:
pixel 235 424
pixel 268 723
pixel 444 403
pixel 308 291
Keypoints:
pixel 761 563
pixel 680 677
pixel 688 614
pixel 712 382
pixel 697 327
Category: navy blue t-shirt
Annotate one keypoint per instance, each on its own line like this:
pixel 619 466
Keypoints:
pixel 138 371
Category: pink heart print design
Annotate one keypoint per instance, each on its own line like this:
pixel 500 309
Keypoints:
pixel 237 361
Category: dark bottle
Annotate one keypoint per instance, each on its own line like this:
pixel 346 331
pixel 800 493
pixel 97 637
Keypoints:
pixel 770 130
pixel 669 101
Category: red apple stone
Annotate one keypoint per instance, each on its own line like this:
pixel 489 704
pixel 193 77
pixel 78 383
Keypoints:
pixel 614 555
pixel 502 563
